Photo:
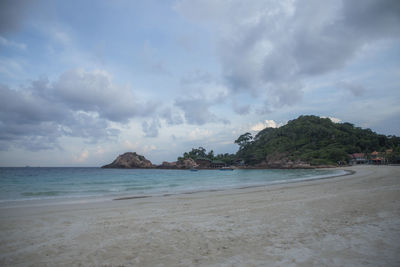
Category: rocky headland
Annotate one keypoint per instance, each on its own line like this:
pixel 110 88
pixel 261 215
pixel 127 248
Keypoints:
pixel 303 143
pixel 132 160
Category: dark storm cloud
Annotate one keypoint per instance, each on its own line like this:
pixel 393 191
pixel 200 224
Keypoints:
pixel 354 89
pixel 268 48
pixel 335 42
pixel 12 12
pixel 372 18
pixel 78 104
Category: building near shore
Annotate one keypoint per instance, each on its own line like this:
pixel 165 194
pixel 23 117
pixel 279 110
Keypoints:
pixel 358 158
pixel 217 164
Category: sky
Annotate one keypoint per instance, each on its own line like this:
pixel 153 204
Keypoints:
pixel 84 81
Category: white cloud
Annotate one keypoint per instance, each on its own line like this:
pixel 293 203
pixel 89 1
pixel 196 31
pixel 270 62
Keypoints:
pixel 138 147
pixel 197 111
pixel 258 127
pixel 131 146
pixel 266 124
pixel 333 119
pixel 100 151
pixel 79 104
pixel 95 91
pixel 148 148
pixel 12 68
pixel 151 128
pixel 241 109
pixel 172 117
pixel 198 134
pixel 201 94
pixel 9 43
pixel 82 157
pixel 61 37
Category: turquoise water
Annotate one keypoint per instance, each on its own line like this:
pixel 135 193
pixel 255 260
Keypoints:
pixel 49 183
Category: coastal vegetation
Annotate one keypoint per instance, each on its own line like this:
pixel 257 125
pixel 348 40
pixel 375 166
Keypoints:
pixel 313 140
pixel 201 153
pixel 305 142
pixel 308 140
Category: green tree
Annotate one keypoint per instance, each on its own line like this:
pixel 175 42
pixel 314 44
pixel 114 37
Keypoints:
pixel 244 140
pixel 312 139
pixel 210 155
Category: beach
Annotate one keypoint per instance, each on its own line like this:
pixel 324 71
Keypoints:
pixel 351 220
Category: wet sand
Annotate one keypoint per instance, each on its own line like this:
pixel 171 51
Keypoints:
pixel 351 220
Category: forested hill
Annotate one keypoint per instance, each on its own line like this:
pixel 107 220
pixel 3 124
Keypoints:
pixel 313 140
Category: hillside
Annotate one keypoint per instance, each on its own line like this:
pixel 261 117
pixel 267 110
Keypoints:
pixel 301 143
pixel 313 140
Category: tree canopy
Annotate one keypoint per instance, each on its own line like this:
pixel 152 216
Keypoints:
pixel 309 139
pixel 201 153
pixel 314 140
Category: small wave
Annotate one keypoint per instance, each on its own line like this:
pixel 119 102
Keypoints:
pixel 38 194
pixel 136 188
pixel 153 183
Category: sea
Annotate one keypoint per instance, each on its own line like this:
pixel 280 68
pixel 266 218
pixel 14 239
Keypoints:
pixel 40 183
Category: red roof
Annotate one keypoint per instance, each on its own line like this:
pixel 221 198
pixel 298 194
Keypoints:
pixel 375 153
pixel 358 155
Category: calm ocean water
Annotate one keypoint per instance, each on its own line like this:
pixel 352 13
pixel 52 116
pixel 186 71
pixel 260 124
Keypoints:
pixel 57 183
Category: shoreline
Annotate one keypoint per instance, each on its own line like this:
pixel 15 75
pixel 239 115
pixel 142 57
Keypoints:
pixel 281 182
pixel 111 197
pixel 351 220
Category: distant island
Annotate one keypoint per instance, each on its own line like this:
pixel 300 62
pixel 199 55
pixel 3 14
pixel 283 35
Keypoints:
pixel 305 142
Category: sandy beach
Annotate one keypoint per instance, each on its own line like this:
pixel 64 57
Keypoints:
pixel 350 220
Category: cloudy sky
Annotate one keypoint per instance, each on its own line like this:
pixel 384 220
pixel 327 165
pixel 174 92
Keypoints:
pixel 84 81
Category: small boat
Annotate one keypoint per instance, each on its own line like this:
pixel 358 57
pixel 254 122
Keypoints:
pixel 193 170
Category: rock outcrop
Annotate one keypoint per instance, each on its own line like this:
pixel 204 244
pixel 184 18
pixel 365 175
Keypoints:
pixel 287 164
pixel 187 164
pixel 130 160
pixel 281 161
pixel 168 165
pixel 180 164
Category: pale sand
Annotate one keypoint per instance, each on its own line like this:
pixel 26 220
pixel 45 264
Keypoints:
pixel 345 221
